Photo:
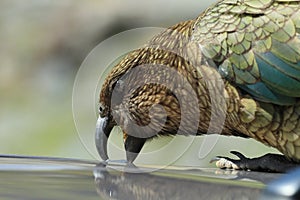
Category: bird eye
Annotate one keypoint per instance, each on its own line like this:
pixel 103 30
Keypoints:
pixel 101 109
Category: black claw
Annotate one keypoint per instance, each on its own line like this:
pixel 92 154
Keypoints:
pixel 133 146
pixel 215 159
pixel 239 155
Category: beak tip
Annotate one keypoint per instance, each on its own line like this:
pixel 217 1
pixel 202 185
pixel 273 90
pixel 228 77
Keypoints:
pixel 131 157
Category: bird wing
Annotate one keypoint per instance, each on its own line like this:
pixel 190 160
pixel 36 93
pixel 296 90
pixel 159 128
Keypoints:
pixel 255 44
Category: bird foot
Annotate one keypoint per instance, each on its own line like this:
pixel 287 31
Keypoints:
pixel 266 163
pixel 224 163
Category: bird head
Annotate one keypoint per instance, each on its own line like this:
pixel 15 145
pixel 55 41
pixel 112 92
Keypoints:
pixel 138 94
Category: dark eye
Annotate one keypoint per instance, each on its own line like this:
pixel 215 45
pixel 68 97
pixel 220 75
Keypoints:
pixel 101 109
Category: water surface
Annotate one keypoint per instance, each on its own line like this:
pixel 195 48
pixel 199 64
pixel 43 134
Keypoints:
pixel 50 178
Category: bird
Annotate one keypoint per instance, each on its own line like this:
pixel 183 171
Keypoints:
pixel 234 70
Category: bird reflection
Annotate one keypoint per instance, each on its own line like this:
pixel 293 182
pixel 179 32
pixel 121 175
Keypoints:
pixel 165 184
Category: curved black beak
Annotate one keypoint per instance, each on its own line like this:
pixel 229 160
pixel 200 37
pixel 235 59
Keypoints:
pixel 133 145
pixel 103 129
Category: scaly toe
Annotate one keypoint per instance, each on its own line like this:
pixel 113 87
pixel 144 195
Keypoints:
pixel 223 163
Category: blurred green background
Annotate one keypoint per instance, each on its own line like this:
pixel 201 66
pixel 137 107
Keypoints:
pixel 42 45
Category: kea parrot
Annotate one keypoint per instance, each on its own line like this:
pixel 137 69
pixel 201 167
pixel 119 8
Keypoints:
pixel 234 70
